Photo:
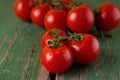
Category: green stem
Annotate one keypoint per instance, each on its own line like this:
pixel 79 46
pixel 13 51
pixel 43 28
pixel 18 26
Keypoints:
pixel 75 36
pixel 55 43
pixel 56 4
pixel 55 32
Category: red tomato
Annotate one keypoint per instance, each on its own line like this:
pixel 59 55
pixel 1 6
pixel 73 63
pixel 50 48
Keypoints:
pixel 22 9
pixel 80 19
pixel 38 14
pixel 52 34
pixel 108 17
pixel 56 19
pixel 68 2
pixel 85 51
pixel 57 60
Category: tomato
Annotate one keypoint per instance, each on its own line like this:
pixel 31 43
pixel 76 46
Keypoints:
pixel 108 17
pixel 67 2
pixel 80 19
pixel 56 19
pixel 85 51
pixel 38 14
pixel 57 60
pixel 52 34
pixel 22 9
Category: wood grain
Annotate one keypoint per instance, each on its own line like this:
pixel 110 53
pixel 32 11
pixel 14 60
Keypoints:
pixel 19 46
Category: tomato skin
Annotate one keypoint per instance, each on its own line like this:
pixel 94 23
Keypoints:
pixel 67 2
pixel 56 19
pixel 38 14
pixel 57 60
pixel 22 9
pixel 48 37
pixel 86 51
pixel 108 17
pixel 80 19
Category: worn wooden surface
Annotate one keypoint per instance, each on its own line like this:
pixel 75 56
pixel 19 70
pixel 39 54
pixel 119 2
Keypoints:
pixel 20 50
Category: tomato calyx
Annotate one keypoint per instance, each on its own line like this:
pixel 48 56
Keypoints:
pixel 55 43
pixel 55 32
pixel 57 4
pixel 75 36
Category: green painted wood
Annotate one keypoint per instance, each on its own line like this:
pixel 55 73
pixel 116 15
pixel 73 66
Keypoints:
pixel 107 67
pixel 20 47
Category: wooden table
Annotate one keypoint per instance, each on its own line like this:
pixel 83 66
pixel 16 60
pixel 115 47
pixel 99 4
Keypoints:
pixel 20 47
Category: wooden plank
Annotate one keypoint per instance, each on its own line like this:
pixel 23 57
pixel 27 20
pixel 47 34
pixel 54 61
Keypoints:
pixel 19 46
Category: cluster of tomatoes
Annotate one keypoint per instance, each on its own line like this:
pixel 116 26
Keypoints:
pixel 61 49
pixel 80 19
